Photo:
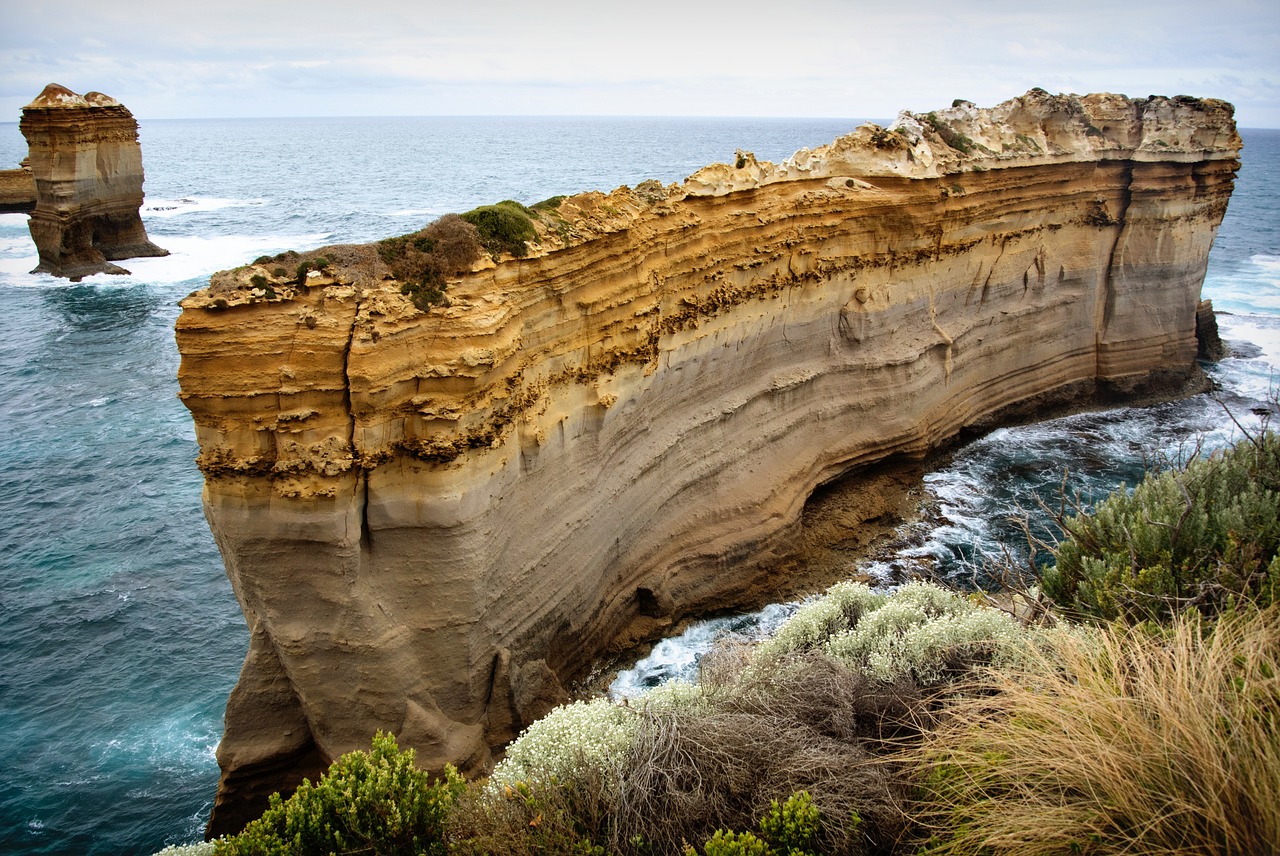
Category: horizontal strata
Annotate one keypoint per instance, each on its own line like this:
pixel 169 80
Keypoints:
pixel 435 519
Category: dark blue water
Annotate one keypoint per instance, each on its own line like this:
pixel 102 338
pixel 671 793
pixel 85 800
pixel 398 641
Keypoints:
pixel 121 638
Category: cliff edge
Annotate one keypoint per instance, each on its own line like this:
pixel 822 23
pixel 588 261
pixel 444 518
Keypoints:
pixel 434 519
pixel 86 166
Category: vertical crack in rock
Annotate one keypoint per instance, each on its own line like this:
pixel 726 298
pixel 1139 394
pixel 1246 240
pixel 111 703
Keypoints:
pixel 1113 257
pixel 361 486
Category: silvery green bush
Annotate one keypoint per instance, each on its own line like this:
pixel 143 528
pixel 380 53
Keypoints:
pixel 915 632
pixel 596 733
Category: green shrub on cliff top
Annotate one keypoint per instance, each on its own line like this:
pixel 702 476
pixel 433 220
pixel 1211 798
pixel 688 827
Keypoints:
pixel 1200 538
pixel 373 802
pixel 504 228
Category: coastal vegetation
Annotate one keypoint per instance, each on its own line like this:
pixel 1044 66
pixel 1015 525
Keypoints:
pixel 1203 537
pixel 1128 703
pixel 423 259
pixel 504 227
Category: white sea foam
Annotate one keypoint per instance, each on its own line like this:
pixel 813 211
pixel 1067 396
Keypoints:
pixel 414 212
pixel 189 258
pixel 1260 330
pixel 678 656
pixel 1268 263
pixel 160 208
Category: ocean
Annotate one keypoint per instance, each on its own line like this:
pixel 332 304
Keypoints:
pixel 121 637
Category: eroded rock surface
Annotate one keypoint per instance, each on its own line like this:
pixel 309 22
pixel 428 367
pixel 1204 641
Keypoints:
pixel 86 164
pixel 435 520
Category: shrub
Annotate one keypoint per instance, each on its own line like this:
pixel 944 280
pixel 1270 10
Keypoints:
pixel 733 844
pixel 592 733
pixel 839 609
pixel 368 802
pixel 812 726
pixel 200 848
pixel 1123 740
pixel 1203 537
pixel 792 827
pixel 921 632
pixel 903 639
pixel 549 204
pixel 545 816
pixel 952 137
pixel 503 228
pixel 787 829
pixel 422 260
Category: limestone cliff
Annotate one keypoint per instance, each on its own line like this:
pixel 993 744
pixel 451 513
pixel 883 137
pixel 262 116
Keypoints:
pixel 434 519
pixel 17 190
pixel 87 168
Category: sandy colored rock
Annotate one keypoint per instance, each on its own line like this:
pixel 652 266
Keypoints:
pixel 86 164
pixel 434 521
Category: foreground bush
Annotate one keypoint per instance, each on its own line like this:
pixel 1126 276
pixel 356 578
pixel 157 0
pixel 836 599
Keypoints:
pixel 374 802
pixel 920 632
pixel 814 711
pixel 1201 538
pixel 789 829
pixel 1121 741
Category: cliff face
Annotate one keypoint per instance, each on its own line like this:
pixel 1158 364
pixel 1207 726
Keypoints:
pixel 87 168
pixel 17 191
pixel 432 520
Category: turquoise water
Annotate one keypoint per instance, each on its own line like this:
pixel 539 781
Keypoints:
pixel 121 638
pixel 121 635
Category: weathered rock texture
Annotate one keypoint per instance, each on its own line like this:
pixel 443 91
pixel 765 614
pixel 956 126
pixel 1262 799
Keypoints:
pixel 87 167
pixel 434 520
pixel 17 191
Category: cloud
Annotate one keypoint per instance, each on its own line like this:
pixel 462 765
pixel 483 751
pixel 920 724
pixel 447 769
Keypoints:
pixel 746 57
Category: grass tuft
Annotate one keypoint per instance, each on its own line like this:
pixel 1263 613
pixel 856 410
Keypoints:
pixel 1119 740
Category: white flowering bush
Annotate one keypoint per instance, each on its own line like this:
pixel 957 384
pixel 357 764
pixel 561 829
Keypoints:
pixel 596 733
pixel 914 632
pixel 200 848
pixel 839 609
pixel 675 697
pixel 902 640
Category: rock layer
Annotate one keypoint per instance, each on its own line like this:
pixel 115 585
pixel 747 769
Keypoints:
pixel 434 520
pixel 17 191
pixel 86 163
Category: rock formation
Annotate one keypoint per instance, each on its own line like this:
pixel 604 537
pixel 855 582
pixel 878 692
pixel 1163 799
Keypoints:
pixel 17 190
pixel 87 167
pixel 434 520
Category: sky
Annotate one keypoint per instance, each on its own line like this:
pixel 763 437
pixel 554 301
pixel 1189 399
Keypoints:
pixel 820 58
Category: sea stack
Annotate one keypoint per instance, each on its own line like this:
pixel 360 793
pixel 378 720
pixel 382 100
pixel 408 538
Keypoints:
pixel 87 166
pixel 435 517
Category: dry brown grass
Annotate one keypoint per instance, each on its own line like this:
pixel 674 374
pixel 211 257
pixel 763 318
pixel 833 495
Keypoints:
pixel 811 725
pixel 1120 741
